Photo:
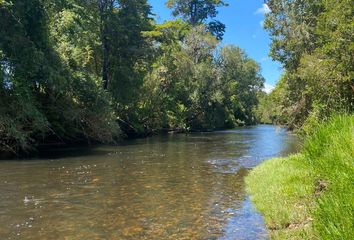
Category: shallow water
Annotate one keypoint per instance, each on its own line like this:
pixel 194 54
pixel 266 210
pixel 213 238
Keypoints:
pixel 175 186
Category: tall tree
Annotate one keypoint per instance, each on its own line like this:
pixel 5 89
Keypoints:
pixel 241 82
pixel 199 11
pixel 105 9
pixel 314 44
pixel 130 58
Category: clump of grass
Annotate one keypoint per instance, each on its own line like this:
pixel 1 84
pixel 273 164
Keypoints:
pixel 310 195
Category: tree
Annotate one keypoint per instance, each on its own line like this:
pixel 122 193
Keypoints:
pixel 291 25
pixel 313 42
pixel 241 81
pixel 100 14
pixel 105 11
pixel 131 50
pixel 199 11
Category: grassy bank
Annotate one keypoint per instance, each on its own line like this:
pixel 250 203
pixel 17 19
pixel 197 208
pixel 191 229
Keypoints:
pixel 310 195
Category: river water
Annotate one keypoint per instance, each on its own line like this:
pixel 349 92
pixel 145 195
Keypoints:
pixel 175 186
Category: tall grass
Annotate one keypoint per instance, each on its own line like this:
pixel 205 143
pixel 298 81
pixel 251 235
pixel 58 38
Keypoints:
pixel 310 195
pixel 330 154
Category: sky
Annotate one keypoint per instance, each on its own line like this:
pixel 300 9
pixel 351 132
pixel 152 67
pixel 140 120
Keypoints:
pixel 243 20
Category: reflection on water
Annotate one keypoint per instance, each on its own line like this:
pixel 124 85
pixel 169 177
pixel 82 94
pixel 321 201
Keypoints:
pixel 166 187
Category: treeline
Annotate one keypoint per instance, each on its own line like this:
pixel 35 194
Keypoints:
pixel 314 42
pixel 94 70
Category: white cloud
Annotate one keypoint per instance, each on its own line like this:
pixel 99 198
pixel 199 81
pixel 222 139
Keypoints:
pixel 268 88
pixel 261 23
pixel 263 10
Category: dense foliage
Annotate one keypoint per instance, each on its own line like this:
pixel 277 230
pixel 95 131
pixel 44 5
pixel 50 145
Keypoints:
pixel 74 70
pixel 41 94
pixel 314 42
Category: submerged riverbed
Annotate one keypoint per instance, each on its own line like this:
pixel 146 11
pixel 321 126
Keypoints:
pixel 174 186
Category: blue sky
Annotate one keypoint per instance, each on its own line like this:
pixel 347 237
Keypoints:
pixel 243 20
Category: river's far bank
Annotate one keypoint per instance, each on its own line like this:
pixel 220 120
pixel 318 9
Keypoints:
pixel 52 144
pixel 309 195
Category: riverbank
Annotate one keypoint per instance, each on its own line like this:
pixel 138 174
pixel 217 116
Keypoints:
pixel 52 144
pixel 309 195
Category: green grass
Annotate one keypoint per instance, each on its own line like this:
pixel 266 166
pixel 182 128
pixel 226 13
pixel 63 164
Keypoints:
pixel 310 195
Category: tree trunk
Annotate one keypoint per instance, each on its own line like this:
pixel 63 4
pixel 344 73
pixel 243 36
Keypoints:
pixel 193 12
pixel 105 52
pixel 105 7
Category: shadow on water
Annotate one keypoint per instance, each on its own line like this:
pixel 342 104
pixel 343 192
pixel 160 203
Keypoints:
pixel 176 186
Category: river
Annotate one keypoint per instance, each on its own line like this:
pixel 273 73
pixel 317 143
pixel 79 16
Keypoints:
pixel 174 186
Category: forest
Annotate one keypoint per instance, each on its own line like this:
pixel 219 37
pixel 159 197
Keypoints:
pixel 102 70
